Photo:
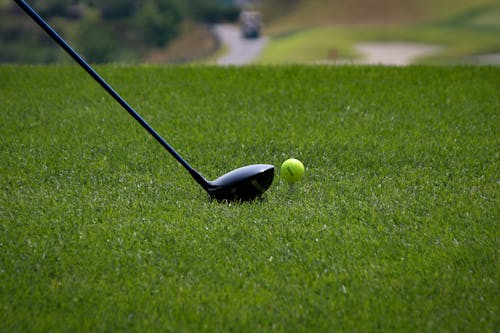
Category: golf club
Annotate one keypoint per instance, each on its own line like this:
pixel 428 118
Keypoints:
pixel 242 184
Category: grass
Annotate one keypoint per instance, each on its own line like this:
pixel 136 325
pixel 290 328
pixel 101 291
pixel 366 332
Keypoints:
pixel 394 228
pixel 468 33
pixel 302 14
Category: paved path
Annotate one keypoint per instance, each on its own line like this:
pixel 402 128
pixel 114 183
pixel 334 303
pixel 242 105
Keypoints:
pixel 241 51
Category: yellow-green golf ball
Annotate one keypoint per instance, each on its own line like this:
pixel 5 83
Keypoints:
pixel 292 170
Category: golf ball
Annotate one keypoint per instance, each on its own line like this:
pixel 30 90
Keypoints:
pixel 292 170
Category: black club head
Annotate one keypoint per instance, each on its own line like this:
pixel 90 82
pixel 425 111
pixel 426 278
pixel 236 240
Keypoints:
pixel 242 184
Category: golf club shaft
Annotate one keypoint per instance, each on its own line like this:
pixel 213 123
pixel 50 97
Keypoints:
pixel 55 36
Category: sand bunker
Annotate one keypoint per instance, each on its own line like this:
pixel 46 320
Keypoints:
pixel 393 53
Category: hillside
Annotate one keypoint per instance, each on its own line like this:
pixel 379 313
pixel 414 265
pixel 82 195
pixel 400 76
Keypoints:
pixel 312 31
pixel 310 13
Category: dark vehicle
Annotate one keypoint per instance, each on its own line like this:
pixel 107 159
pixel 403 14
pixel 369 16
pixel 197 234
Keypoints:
pixel 250 24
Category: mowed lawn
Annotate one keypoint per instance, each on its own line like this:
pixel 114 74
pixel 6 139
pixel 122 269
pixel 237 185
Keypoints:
pixel 395 226
pixel 331 30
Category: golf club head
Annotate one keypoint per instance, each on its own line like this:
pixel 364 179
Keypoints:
pixel 242 184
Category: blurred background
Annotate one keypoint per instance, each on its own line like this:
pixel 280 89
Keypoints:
pixel 259 31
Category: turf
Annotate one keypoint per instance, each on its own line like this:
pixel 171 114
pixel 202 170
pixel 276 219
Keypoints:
pixel 394 227
pixel 461 36
pixel 313 13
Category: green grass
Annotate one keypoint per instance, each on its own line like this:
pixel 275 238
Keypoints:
pixel 394 228
pixel 301 14
pixel 468 33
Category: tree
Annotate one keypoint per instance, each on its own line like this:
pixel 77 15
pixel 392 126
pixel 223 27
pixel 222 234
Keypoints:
pixel 159 21
pixel 97 42
pixel 212 11
pixel 116 9
pixel 50 8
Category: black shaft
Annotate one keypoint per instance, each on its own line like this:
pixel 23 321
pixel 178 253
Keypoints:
pixel 55 36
